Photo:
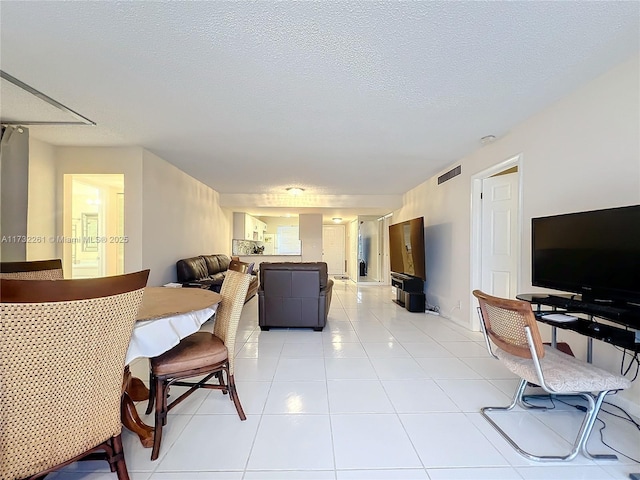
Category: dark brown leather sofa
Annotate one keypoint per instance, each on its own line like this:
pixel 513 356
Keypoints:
pixel 208 271
pixel 294 295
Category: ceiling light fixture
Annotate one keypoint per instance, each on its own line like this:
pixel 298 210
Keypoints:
pixel 336 219
pixel 295 190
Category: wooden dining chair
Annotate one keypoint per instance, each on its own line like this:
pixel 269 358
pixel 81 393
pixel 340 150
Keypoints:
pixel 512 336
pixel 202 353
pixel 32 270
pixel 62 352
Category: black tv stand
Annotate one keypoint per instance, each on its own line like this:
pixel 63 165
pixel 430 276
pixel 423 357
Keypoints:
pixel 409 291
pixel 622 332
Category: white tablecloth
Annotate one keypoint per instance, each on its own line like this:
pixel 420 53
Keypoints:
pixel 150 338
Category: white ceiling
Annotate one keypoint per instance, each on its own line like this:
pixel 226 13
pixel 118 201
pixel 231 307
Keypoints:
pixel 351 100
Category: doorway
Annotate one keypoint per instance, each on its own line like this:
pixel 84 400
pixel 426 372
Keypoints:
pixel 93 224
pixel 369 248
pixel 496 230
pixel 333 249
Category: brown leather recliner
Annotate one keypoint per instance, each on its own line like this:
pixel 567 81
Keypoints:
pixel 294 295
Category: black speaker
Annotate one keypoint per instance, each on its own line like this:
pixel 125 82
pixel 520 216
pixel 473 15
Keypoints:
pixel 414 302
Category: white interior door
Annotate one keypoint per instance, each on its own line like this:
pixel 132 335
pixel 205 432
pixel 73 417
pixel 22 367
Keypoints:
pixel 333 248
pixel 500 235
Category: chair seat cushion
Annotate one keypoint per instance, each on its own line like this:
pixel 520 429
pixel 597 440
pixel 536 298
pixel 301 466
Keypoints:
pixel 564 373
pixel 195 351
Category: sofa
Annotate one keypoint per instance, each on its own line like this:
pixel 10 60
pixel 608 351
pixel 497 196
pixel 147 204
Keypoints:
pixel 208 271
pixel 294 294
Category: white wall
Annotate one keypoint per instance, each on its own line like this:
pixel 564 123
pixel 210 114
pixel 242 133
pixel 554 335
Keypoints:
pixel 41 221
pixel 14 181
pixel 311 236
pixel 168 214
pixel 182 218
pixel 92 160
pixel 582 153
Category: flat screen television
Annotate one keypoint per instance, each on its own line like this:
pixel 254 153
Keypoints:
pixel 595 254
pixel 406 248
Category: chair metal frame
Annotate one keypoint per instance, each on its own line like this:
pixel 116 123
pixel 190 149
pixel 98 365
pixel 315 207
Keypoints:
pixel 594 401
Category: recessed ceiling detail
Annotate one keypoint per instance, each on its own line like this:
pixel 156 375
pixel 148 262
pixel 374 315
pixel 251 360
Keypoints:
pixel 24 105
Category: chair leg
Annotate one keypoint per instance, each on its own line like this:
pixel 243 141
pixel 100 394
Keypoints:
pixel 220 378
pixel 520 398
pixel 118 458
pixel 580 444
pixel 152 393
pixel 160 416
pixel 587 427
pixel 233 391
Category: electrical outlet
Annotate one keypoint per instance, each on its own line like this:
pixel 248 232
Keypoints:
pixel 459 304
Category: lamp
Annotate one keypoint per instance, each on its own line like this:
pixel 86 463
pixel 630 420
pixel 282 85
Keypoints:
pixel 295 190
pixel 336 219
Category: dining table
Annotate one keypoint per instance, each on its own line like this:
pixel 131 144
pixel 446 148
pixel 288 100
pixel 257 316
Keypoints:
pixel 165 316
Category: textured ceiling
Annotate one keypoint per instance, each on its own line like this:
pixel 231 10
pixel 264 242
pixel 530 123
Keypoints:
pixel 343 98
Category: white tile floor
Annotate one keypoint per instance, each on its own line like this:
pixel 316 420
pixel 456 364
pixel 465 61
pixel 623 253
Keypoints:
pixel 381 393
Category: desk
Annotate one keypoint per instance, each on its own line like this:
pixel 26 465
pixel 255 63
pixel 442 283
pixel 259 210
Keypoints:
pixel 628 337
pixel 166 316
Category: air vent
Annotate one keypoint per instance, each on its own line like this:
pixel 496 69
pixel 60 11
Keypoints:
pixel 450 174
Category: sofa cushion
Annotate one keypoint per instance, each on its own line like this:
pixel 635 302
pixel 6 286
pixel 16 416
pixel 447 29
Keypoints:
pixel 190 269
pixel 216 263
pixel 217 279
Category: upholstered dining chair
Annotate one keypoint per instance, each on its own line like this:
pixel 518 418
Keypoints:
pixel 61 365
pixel 511 327
pixel 32 270
pixel 201 353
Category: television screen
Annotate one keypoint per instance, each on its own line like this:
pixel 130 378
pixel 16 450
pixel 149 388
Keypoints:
pixel 406 248
pixel 593 253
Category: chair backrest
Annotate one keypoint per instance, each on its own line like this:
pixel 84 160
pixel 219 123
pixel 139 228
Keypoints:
pixel 233 293
pixel 61 365
pixel 317 270
pixel 33 270
pixel 238 266
pixel 505 321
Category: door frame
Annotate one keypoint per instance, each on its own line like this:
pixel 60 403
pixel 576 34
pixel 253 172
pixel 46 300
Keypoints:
pixel 476 230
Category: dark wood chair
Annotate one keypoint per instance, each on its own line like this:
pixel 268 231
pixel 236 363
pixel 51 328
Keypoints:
pixel 201 353
pixel 32 270
pixel 61 361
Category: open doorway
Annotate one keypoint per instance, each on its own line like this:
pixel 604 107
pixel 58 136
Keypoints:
pixel 496 230
pixel 369 248
pixel 93 223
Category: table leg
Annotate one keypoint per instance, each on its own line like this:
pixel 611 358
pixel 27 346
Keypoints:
pixel 134 390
